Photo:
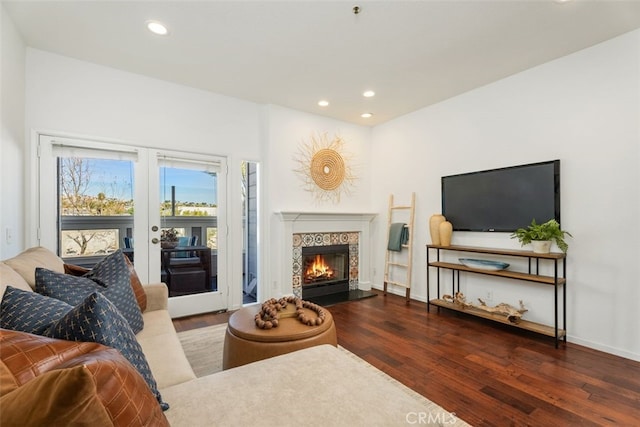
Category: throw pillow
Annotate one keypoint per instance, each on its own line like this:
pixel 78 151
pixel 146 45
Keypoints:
pixel 121 389
pixel 110 277
pixel 62 397
pixel 96 319
pixel 25 263
pixel 136 285
pixel 8 276
pixel 7 381
pixel 27 356
pixel 30 312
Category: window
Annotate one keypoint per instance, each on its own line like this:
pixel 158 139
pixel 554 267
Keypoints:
pixel 95 202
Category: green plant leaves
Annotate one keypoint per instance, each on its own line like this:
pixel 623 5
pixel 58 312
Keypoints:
pixel 549 230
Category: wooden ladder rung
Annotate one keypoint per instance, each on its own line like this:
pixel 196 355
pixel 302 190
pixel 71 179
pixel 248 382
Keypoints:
pixel 401 207
pixel 399 265
pixel 397 283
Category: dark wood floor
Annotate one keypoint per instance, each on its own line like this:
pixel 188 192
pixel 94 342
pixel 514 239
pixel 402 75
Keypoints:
pixel 487 374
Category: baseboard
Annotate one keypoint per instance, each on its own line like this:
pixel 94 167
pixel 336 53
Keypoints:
pixel 604 348
pixel 394 290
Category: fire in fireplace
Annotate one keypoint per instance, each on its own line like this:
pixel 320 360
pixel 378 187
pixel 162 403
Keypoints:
pixel 325 270
pixel 318 270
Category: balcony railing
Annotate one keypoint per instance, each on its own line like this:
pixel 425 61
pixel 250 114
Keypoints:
pixel 91 237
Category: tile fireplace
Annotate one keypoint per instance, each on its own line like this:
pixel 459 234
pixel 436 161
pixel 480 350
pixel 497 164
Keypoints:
pixel 325 263
pixel 308 234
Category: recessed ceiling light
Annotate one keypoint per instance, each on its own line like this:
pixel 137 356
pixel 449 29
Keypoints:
pixel 366 115
pixel 157 28
pixel 368 94
pixel 323 103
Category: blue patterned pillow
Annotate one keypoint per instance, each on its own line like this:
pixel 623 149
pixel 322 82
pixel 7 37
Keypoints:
pixel 110 277
pixel 30 312
pixel 96 319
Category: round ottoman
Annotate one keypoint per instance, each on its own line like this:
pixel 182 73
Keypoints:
pixel 244 342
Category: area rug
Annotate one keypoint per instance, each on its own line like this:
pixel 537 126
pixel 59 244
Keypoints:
pixel 203 348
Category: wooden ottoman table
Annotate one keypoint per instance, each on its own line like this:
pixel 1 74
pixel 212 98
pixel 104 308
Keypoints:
pixel 244 342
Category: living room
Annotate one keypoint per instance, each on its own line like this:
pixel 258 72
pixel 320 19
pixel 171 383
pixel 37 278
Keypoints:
pixel 581 108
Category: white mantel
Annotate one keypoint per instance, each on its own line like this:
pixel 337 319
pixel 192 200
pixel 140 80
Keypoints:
pixel 314 217
pixel 325 222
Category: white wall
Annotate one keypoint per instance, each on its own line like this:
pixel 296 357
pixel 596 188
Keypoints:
pixel 288 131
pixel 12 138
pixel 583 109
pixel 67 95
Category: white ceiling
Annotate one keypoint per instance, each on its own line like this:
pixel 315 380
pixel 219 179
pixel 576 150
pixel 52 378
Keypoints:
pixel 294 53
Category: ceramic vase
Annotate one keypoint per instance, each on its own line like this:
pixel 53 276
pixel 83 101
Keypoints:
pixel 541 246
pixel 434 227
pixel 446 230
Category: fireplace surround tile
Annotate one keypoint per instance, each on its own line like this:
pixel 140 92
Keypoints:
pixel 301 240
pixel 342 228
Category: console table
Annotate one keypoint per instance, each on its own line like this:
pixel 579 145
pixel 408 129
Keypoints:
pixel 556 281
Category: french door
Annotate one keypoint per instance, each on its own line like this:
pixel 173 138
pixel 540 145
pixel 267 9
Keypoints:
pixel 109 196
pixel 188 204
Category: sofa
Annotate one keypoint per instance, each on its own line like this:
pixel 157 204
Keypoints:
pixel 321 385
pixel 158 339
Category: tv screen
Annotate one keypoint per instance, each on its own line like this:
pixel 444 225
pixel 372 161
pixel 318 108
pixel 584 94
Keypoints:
pixel 502 199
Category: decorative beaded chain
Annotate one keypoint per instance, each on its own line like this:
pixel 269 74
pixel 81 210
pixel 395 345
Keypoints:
pixel 268 316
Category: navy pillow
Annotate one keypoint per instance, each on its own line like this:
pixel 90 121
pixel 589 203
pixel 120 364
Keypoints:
pixel 96 319
pixel 30 312
pixel 109 277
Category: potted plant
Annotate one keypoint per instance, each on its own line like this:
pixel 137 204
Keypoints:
pixel 541 236
pixel 169 238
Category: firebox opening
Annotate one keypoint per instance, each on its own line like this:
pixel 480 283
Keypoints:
pixel 325 270
pixel 318 270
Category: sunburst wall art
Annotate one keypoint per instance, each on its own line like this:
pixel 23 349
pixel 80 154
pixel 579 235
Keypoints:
pixel 325 168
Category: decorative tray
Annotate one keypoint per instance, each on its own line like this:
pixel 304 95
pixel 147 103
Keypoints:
pixel 483 264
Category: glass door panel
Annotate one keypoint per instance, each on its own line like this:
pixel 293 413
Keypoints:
pixel 188 208
pixel 91 189
pixel 96 207
pixel 250 232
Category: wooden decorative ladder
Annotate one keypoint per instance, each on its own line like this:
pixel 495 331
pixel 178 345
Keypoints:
pixel 391 261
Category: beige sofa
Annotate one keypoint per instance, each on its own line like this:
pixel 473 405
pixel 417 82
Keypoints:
pixel 158 339
pixel 322 385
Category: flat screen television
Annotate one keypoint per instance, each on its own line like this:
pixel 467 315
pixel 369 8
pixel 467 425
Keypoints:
pixel 502 199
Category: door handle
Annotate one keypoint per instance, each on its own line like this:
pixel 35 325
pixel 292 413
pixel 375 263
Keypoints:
pixel 154 228
pixel 155 240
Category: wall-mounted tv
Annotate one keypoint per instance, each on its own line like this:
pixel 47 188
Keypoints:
pixel 502 199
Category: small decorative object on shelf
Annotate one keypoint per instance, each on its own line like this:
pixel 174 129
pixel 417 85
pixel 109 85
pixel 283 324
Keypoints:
pixel 268 317
pixel 483 264
pixel 512 314
pixel 169 238
pixel 546 232
pixel 446 230
pixel 434 227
